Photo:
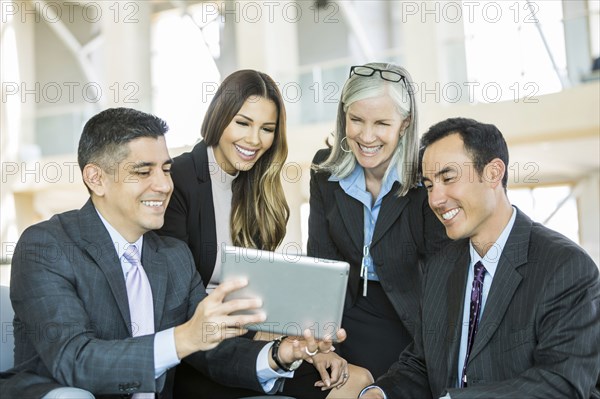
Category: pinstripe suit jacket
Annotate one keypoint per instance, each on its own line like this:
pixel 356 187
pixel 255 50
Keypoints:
pixel 539 335
pixel 72 315
pixel 406 233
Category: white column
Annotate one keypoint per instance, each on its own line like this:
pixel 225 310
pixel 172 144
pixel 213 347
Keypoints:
pixel 125 65
pixel 17 121
pixel 588 199
pixel 434 49
pixel 266 35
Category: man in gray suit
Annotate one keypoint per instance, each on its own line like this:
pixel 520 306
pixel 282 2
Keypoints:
pixel 74 316
pixel 527 324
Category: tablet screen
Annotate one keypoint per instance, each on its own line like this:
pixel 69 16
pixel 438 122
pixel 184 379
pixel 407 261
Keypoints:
pixel 298 292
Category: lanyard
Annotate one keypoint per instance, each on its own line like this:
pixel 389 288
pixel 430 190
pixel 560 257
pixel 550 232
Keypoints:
pixel 364 269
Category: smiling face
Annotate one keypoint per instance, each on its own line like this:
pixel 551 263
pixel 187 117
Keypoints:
pixel 465 202
pixel 134 198
pixel 373 128
pixel 248 136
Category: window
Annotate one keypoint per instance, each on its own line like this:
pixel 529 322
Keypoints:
pixel 553 206
pixel 506 53
pixel 184 73
pixel 594 21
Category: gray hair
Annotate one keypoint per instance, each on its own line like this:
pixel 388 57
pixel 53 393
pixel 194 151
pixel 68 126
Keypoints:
pixel 340 163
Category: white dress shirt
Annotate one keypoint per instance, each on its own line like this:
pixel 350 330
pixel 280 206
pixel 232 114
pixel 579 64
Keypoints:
pixel 490 262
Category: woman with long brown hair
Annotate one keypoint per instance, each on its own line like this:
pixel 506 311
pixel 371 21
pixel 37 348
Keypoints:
pixel 228 191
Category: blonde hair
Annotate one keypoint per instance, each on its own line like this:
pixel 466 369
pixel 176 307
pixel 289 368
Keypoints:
pixel 259 210
pixel 405 158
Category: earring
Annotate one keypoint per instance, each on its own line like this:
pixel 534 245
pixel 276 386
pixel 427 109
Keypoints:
pixel 342 145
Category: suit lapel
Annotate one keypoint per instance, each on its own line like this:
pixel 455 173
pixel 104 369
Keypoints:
pixel 208 230
pixel 455 300
pixel 353 216
pixel 207 212
pixel 506 281
pixel 155 265
pixel 100 247
pixel 391 208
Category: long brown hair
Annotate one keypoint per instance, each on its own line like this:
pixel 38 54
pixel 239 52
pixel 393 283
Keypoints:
pixel 259 210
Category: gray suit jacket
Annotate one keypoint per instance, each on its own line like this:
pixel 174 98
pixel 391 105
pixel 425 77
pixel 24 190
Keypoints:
pixel 72 317
pixel 539 335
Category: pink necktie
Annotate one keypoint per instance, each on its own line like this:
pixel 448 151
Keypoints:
pixel 475 310
pixel 139 295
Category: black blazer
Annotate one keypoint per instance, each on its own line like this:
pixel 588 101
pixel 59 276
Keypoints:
pixel 406 233
pixel 539 335
pixel 190 215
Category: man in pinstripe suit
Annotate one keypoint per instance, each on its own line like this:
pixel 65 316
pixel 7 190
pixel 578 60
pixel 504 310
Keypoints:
pixel 73 323
pixel 538 331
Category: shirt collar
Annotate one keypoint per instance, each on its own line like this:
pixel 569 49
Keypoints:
pixel 356 177
pixel 356 181
pixel 391 178
pixel 492 256
pixel 121 243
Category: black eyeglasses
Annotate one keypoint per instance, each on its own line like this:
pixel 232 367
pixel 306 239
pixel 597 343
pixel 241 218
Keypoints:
pixel 390 76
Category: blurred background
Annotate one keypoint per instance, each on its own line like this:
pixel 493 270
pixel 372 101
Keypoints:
pixel 525 66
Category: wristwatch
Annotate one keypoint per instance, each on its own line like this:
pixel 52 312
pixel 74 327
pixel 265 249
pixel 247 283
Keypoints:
pixel 275 356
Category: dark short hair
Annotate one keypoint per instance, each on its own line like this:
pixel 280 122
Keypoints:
pixel 104 135
pixel 483 142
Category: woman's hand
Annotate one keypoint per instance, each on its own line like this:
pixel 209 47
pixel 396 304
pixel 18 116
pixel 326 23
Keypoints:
pixel 305 347
pixel 336 376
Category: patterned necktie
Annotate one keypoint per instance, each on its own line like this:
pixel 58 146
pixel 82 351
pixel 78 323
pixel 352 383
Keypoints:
pixel 475 309
pixel 139 295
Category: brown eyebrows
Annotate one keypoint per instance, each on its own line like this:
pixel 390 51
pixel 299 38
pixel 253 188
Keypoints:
pixel 245 117
pixel 252 120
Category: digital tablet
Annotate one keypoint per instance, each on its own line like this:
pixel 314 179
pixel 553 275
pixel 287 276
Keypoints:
pixel 298 292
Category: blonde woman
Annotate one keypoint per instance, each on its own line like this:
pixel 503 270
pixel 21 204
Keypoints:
pixel 367 208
